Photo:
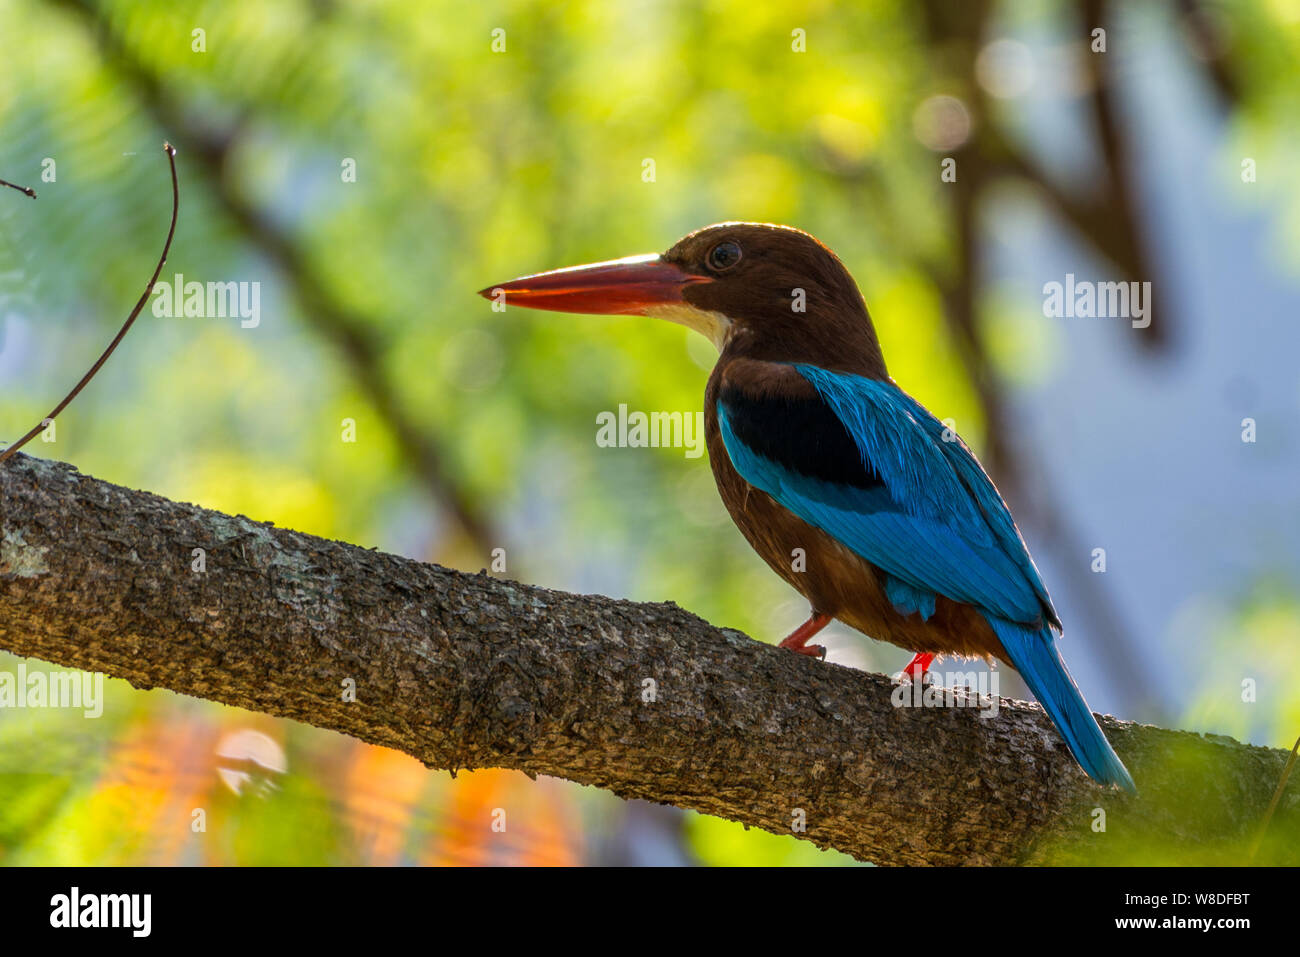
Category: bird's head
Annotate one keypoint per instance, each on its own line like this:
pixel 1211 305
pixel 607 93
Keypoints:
pixel 753 289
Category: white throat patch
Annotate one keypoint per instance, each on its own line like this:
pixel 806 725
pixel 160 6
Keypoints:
pixel 714 326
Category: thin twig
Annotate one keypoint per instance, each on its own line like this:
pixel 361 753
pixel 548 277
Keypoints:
pixel 1277 796
pixel 130 320
pixel 26 190
pixel 351 332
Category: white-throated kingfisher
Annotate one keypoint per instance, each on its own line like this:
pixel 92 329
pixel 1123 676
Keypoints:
pixel 814 447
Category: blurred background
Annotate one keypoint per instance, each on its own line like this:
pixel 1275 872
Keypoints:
pixel 372 164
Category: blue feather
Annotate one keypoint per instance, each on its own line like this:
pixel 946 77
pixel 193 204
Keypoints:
pixel 932 474
pixel 923 527
pixel 908 600
pixel 1035 656
pixel 933 525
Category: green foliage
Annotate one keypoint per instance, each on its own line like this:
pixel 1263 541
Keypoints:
pixel 472 167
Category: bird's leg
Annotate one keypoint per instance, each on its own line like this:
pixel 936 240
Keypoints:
pixel 919 666
pixel 795 640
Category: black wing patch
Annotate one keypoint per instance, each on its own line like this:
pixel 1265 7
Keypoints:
pixel 801 434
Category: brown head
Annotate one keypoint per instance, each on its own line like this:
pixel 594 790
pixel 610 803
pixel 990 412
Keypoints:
pixel 755 290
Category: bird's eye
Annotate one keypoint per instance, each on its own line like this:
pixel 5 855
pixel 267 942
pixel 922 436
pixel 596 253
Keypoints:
pixel 723 256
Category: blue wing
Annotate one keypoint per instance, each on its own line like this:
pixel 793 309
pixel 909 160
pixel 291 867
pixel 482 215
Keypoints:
pixel 919 508
pixel 863 461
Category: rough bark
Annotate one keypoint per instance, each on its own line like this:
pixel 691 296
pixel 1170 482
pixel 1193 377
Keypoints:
pixel 466 671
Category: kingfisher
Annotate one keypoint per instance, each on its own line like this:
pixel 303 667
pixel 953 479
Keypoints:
pixel 849 489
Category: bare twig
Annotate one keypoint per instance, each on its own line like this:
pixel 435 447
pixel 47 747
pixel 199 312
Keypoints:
pixel 121 333
pixel 25 190
pixel 1277 796
pixel 346 329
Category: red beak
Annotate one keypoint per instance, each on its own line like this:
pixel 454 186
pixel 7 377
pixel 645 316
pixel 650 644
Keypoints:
pixel 618 287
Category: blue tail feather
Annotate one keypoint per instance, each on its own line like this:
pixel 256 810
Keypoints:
pixel 1035 656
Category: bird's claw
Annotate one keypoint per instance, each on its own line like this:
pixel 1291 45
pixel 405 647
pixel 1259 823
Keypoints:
pixel 925 678
pixel 812 651
pixel 795 641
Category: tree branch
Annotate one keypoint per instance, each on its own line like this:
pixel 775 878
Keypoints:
pixel 466 671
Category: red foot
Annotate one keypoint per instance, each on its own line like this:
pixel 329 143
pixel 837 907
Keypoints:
pixel 797 638
pixel 919 666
